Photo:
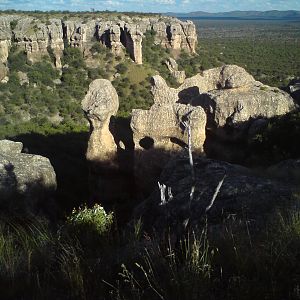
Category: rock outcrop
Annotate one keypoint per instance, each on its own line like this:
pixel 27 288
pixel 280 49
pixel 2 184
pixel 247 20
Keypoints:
pixel 243 195
pixel 225 101
pixel 110 150
pixel 100 104
pixel 160 132
pixel 27 181
pixel 163 122
pixel 173 68
pixel 39 38
pixel 5 37
pixel 229 95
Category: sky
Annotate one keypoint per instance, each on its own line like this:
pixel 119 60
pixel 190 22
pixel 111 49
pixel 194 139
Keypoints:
pixel 151 5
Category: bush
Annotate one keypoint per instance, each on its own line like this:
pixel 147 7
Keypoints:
pixel 121 68
pixel 89 225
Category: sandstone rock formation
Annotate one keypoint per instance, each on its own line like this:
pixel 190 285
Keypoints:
pixel 159 132
pixel 26 181
pixel 225 101
pixel 229 95
pixel 134 42
pixel 173 68
pixel 38 38
pixel 110 149
pixel 163 121
pixel 100 104
pixel 243 194
pixel 5 37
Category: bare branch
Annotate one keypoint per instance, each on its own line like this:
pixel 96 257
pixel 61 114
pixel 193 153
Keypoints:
pixel 215 194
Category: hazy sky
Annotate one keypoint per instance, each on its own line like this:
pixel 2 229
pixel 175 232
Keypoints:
pixel 152 6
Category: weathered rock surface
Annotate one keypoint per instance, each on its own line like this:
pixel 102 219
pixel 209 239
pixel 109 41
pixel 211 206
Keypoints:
pixel 229 95
pixel 159 132
pixel 163 123
pixel 100 104
pixel 23 78
pixel 225 101
pixel 38 38
pixel 5 37
pixel 110 150
pixel 243 194
pixel 173 68
pixel 26 181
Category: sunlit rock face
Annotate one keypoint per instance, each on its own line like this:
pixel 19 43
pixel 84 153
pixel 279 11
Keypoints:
pixel 39 37
pixel 222 103
pixel 100 104
pixel 229 95
pixel 164 121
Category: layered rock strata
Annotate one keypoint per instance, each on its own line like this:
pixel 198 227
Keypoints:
pixel 38 38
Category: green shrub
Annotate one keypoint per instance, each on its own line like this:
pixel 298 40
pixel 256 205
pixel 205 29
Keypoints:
pixel 90 225
pixel 13 24
pixel 121 68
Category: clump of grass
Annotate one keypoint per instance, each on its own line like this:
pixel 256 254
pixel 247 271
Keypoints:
pixel 25 252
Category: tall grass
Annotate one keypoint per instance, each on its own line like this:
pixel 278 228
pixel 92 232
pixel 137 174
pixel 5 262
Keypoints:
pixel 229 261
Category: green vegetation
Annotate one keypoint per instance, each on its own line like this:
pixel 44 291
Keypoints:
pixel 267 50
pixel 84 254
pixel 32 96
pixel 278 141
pixel 82 261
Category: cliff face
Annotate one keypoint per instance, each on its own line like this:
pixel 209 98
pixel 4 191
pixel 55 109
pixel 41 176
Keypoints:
pixel 36 38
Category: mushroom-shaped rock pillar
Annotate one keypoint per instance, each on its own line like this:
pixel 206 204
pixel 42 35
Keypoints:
pixel 100 104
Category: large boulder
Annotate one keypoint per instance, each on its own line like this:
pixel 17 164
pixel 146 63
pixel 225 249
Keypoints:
pixel 238 105
pixel 242 194
pixel 27 182
pixel 100 104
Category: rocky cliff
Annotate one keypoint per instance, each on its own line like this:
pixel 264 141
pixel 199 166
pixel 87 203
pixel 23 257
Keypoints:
pixel 38 38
